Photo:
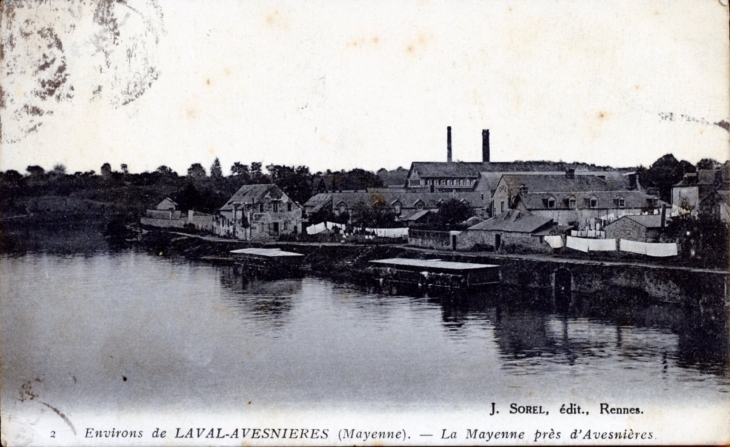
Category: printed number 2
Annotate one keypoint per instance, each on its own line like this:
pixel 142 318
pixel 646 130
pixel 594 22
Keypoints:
pixel 53 434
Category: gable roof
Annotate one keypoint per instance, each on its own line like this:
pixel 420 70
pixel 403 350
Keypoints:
pixel 473 169
pixel 645 220
pixel 162 202
pixel 317 201
pixel 250 194
pixel 560 183
pixel 513 221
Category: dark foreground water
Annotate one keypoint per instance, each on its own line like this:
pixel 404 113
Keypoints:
pixel 128 331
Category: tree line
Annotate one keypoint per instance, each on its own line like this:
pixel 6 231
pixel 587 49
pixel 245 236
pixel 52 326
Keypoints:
pixel 201 189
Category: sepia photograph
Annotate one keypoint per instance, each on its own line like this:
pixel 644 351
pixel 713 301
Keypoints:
pixel 411 222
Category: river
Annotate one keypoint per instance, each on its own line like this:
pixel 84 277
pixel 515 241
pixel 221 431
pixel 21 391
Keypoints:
pixel 127 331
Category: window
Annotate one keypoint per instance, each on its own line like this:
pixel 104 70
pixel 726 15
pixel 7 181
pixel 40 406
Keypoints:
pixel 620 202
pixel 501 207
pixel 286 225
pixel 419 205
pixel 261 207
pixel 571 202
pixel 275 206
pixel 594 202
pixel 397 206
pixel 288 206
pixel 343 208
pixel 551 202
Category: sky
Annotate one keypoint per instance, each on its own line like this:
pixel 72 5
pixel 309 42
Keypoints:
pixel 339 85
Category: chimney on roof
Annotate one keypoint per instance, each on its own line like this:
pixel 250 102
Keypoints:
pixel 448 144
pixel 485 145
pixel 633 181
pixel 570 173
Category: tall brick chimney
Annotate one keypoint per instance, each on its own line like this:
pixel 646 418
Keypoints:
pixel 485 145
pixel 448 144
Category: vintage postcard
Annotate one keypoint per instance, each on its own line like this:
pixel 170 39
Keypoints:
pixel 417 222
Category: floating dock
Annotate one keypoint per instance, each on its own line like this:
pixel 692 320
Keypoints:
pixel 435 273
pixel 267 262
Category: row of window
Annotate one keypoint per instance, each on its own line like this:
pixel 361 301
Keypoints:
pixel 442 182
pixel 275 206
pixel 590 202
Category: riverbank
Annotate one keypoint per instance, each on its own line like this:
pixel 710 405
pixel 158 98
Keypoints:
pixel 612 281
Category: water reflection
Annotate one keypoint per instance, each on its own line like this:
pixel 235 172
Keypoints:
pixel 528 325
pixel 268 303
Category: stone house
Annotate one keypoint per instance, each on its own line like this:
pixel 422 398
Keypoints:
pixel 703 192
pixel 261 212
pixel 512 230
pixel 646 228
pixel 570 199
pixel 166 209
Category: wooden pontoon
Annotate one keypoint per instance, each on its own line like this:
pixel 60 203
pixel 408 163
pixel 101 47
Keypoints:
pixel 435 273
pixel 268 262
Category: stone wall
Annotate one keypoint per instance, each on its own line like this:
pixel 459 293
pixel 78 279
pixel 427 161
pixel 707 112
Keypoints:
pixel 626 229
pixel 430 239
pixel 511 242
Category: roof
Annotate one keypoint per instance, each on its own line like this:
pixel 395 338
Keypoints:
pixel 560 183
pixel 434 264
pixel 415 216
pixel 645 220
pixel 407 199
pixel 473 169
pixel 166 199
pixel 250 194
pixel 266 252
pixel 606 199
pixel 317 201
pixel 703 177
pixel 513 221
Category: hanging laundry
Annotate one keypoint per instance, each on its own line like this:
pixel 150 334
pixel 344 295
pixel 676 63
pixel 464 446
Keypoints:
pixel 602 244
pixel 661 250
pixel 554 241
pixel 577 243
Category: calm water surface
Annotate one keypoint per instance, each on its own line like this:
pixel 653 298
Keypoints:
pixel 129 330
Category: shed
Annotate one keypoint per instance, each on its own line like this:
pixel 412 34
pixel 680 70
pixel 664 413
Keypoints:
pixel 514 229
pixel 641 228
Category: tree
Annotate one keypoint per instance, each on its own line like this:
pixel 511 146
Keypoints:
pixel 664 173
pixel 257 176
pixel 373 215
pixel 196 171
pixel 59 169
pixel 215 169
pixel 240 170
pixel 106 170
pixel 708 163
pixel 166 171
pixel 451 214
pixel 296 182
pixel 189 198
pixel 35 171
pixel 11 177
